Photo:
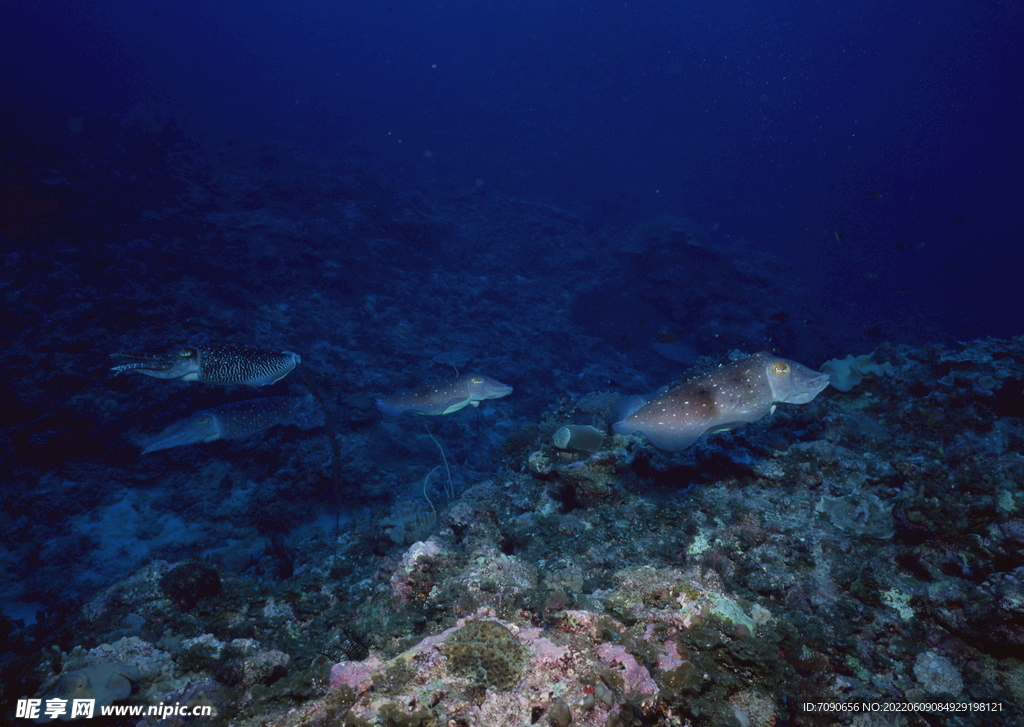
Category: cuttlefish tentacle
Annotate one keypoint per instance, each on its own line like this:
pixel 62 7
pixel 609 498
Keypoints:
pixel 734 394
pixel 444 397
pixel 143 362
pixel 228 421
pixel 226 364
pixel 182 364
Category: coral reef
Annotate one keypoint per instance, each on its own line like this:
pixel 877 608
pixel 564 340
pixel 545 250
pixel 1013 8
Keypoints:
pixel 725 585
pixel 861 548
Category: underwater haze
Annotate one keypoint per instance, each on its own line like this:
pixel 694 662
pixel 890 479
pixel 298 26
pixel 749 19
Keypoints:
pixel 873 146
pixel 599 363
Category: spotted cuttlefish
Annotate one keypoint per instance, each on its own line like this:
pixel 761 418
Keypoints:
pixel 733 394
pixel 444 397
pixel 227 421
pixel 227 364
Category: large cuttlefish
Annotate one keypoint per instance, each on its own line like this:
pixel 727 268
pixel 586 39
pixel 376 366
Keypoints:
pixel 226 364
pixel 733 394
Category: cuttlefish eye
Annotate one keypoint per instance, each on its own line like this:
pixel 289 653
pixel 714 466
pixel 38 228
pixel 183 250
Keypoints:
pixel 780 368
pixel 186 353
pixel 476 380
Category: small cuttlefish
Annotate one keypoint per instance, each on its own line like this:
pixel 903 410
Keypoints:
pixel 226 364
pixel 444 397
pixel 228 421
pixel 733 394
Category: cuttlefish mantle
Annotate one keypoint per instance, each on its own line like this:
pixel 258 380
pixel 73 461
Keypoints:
pixel 444 397
pixel 227 364
pixel 735 393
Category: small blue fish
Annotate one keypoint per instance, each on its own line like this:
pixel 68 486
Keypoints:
pixel 444 397
pixel 215 365
pixel 734 394
pixel 226 422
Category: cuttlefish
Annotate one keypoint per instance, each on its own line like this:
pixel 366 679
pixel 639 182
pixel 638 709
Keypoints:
pixel 227 364
pixel 225 422
pixel 105 683
pixel 733 394
pixel 444 397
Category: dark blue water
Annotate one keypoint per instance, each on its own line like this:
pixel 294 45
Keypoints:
pixel 875 146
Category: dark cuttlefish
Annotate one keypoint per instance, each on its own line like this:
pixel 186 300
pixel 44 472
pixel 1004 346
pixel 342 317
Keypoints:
pixel 444 397
pixel 225 422
pixel 226 364
pixel 733 394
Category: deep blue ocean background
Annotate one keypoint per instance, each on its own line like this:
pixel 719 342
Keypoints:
pixel 578 199
pixel 781 123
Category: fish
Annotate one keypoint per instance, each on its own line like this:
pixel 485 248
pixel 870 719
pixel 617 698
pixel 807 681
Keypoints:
pixel 227 421
pixel 225 364
pixel 444 397
pixel 733 394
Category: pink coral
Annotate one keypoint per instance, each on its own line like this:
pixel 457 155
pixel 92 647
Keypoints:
pixel 672 658
pixel 357 675
pixel 408 578
pixel 638 680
